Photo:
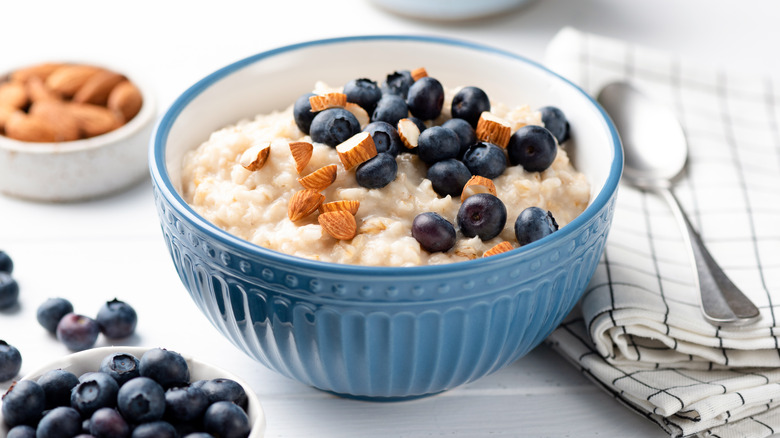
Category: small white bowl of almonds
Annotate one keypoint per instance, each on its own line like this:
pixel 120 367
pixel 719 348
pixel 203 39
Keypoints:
pixel 72 131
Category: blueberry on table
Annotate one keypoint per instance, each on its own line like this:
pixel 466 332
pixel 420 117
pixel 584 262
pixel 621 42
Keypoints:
pixel 226 420
pixel 77 332
pixel 23 403
pixel 9 290
pixel 532 147
pixel 62 421
pixel 385 136
pixel 58 385
pixel 186 403
pixel 333 126
pixel 448 177
pixel 121 367
pixel 433 232
pixel 532 224
pixel 222 389
pixel 482 215
pixel 6 263
pixel 21 431
pixel 425 98
pixel 377 172
pixel 363 92
pixel 165 367
pixel 437 144
pixel 95 390
pixel 108 423
pixel 467 136
pixel 155 429
pixel 485 159
pixel 141 400
pixel 116 319
pixel 390 108
pixel 10 361
pixel 302 113
pixel 469 103
pixel 555 121
pixel 51 311
pixel 398 83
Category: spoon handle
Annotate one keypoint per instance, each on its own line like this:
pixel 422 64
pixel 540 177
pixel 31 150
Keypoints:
pixel 721 300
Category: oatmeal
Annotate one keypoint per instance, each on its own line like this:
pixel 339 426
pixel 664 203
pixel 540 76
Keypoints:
pixel 254 204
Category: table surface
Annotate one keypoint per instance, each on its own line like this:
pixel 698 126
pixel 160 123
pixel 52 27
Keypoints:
pixel 91 252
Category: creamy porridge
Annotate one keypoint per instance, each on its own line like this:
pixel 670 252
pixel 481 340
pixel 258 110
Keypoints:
pixel 253 205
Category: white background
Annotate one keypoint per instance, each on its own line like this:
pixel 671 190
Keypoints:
pixel 94 251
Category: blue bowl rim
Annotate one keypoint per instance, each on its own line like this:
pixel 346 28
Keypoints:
pixel 161 178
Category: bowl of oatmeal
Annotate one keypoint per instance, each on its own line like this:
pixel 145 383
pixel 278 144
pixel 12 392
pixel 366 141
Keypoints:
pixel 358 302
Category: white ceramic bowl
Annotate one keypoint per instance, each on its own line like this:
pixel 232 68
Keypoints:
pixel 81 169
pixel 89 360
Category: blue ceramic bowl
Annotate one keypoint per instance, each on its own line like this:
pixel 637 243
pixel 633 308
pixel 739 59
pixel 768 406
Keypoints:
pixel 381 332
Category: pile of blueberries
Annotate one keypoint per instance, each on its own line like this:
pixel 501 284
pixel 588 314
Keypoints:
pixel 127 398
pixel 115 319
pixel 451 151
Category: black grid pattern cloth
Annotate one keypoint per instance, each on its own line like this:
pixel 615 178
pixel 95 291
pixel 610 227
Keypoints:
pixel 638 331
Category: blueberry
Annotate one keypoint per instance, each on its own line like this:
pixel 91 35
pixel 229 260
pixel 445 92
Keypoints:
pixel 385 136
pixel 532 224
pixel 51 311
pixel 302 113
pixel 10 361
pixel 154 429
pixel 58 384
pixel 6 263
pixel 222 389
pixel 9 290
pixel 437 144
pixel 485 159
pixel 95 390
pixel 433 232
pixel 363 92
pixel 469 103
pixel 21 431
pixel 185 403
pixel 398 83
pixel 425 98
pixel 226 420
pixel 448 177
pixel 390 109
pixel 467 136
pixel 77 332
pixel 60 422
pixel 108 423
pixel 482 215
pixel 199 435
pixel 141 400
pixel 532 147
pixel 555 121
pixel 333 126
pixel 376 172
pixel 116 319
pixel 23 403
pixel 165 367
pixel 121 367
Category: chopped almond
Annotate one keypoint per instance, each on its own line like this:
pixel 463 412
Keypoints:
pixel 329 100
pixel 498 249
pixel 255 157
pixel 320 179
pixel 357 149
pixel 301 153
pixel 409 133
pixel 419 73
pixel 344 205
pixel 477 184
pixel 493 129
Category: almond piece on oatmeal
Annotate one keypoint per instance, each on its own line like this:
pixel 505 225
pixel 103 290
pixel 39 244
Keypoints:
pixel 409 133
pixel 303 203
pixel 360 114
pixel 343 204
pixel 493 129
pixel 301 152
pixel 477 184
pixel 320 179
pixel 255 157
pixel 340 224
pixel 498 249
pixel 328 100
pixel 357 149
pixel 418 73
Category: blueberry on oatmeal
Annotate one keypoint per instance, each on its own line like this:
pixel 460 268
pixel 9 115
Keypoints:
pixel 469 103
pixel 333 126
pixel 555 121
pixel 437 144
pixel 390 108
pixel 385 136
pixel 467 136
pixel 302 113
pixel 448 177
pixel 398 83
pixel 485 159
pixel 532 224
pixel 363 92
pixel 433 232
pixel 482 215
pixel 425 98
pixel 532 147
pixel 376 172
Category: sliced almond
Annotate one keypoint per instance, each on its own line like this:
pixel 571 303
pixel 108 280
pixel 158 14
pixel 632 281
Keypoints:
pixel 41 71
pixel 23 127
pixel 255 157
pixel 56 114
pixel 303 203
pixel 493 129
pixel 39 92
pixel 13 95
pixel 301 153
pixel 320 179
pixel 477 184
pixel 341 205
pixel 360 114
pixel 67 79
pixel 498 249
pixel 329 100
pixel 125 99
pixel 93 119
pixel 97 88
pixel 357 149
pixel 409 133
pixel 340 224
pixel 418 73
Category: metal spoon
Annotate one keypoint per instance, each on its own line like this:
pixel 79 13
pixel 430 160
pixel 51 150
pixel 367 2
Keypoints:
pixel 656 151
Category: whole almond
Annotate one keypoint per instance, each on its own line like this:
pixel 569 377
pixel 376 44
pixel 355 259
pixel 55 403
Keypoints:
pixel 13 94
pixel 56 114
pixel 303 203
pixel 23 127
pixel 39 92
pixel 342 204
pixel 41 71
pixel 67 79
pixel 340 224
pixel 125 99
pixel 97 88
pixel 93 119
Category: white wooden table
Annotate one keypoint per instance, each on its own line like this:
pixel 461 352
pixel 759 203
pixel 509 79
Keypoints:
pixel 94 251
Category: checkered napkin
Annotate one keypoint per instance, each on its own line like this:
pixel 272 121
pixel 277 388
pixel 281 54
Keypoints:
pixel 638 331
